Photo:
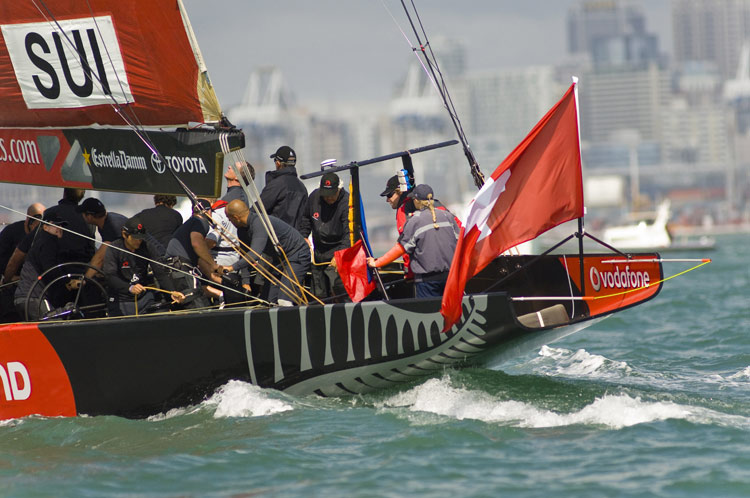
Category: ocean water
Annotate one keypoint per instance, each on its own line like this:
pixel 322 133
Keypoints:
pixel 654 401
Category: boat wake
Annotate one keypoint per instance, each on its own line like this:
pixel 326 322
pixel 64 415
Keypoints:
pixel 234 399
pixel 743 375
pixel 580 363
pixel 560 362
pixel 613 411
pixel 243 400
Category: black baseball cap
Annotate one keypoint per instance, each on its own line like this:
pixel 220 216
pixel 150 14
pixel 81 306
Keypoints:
pixel 55 220
pixel 329 184
pixel 390 187
pixel 285 154
pixel 92 206
pixel 421 192
pixel 135 228
pixel 202 205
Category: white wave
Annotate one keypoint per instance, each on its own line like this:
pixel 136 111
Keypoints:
pixel 579 363
pixel 240 399
pixel 741 375
pixel 437 396
pixel 174 412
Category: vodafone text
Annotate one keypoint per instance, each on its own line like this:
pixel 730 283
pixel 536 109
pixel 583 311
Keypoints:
pixel 19 151
pixel 10 375
pixel 618 279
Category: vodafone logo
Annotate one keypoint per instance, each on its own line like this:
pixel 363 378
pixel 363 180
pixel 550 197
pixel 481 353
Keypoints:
pixel 618 279
pixel 15 380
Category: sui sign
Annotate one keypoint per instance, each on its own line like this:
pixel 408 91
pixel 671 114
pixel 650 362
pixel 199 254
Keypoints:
pixel 68 64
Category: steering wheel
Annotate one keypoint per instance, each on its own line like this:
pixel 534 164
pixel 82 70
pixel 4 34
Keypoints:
pixel 89 300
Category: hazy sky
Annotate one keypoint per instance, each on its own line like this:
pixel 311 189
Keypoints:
pixel 348 50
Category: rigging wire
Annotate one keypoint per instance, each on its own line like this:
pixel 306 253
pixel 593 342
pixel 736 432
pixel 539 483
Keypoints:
pixel 435 75
pixel 245 181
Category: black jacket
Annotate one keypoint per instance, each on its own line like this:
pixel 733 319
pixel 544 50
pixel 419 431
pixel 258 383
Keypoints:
pixel 10 237
pixel 328 223
pixel 123 269
pixel 257 238
pixel 44 254
pixel 73 247
pixel 284 195
pixel 161 221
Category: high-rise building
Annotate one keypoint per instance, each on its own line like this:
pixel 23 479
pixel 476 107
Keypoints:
pixel 710 30
pixel 506 104
pixel 611 33
pixel 613 101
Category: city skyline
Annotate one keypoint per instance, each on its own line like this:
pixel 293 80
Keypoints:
pixel 335 53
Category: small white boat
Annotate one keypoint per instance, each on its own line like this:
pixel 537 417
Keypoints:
pixel 652 234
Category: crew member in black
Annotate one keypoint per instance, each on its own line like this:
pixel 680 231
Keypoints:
pixel 45 253
pixel 10 237
pixel 188 248
pixel 127 272
pixel 109 225
pixel 284 195
pixel 14 233
pixel 326 216
pixel 162 220
pixel 73 247
pixel 251 231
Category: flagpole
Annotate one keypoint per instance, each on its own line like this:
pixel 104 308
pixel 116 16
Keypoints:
pixel 580 220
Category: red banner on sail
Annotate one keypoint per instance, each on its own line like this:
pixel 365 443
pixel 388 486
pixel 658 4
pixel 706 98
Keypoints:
pixel 66 63
pixel 537 187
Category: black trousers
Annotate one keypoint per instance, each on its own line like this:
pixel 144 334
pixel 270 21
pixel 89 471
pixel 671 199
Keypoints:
pixel 118 306
pixel 327 283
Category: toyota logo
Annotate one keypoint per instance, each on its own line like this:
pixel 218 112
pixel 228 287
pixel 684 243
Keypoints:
pixel 157 164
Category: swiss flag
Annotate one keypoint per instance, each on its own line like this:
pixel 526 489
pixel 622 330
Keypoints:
pixel 537 187
pixel 352 267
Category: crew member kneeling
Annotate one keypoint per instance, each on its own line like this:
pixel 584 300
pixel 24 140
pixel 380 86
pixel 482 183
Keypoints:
pixel 251 231
pixel 126 271
pixel 429 237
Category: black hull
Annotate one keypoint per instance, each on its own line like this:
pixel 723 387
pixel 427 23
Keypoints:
pixel 140 366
